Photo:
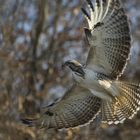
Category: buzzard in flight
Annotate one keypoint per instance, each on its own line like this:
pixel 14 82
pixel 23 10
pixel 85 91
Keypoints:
pixel 97 88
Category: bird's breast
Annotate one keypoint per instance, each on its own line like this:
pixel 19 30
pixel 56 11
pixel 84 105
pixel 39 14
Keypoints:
pixel 100 88
pixel 90 80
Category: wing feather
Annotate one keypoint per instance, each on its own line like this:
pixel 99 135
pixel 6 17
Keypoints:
pixel 109 38
pixel 78 107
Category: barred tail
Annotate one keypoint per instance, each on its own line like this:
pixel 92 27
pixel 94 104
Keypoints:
pixel 123 106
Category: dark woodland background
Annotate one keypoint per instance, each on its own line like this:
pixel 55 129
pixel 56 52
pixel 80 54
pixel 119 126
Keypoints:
pixel 36 37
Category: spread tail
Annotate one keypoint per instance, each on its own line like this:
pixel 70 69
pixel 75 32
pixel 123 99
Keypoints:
pixel 123 106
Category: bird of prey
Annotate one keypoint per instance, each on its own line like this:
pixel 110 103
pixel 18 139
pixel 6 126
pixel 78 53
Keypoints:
pixel 97 87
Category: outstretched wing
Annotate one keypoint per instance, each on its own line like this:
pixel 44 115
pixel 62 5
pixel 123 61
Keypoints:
pixel 108 36
pixel 78 107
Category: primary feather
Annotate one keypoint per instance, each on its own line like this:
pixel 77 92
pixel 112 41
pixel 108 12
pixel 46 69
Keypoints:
pixel 77 107
pixel 109 38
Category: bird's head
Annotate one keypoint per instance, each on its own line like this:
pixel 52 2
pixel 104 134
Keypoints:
pixel 76 67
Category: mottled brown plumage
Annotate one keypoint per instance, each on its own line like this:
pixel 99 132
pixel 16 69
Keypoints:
pixel 75 108
pixel 97 87
pixel 109 39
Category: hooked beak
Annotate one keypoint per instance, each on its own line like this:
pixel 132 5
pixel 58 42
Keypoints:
pixel 75 66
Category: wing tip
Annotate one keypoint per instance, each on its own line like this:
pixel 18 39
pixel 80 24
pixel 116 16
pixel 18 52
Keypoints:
pixel 28 122
pixel 85 13
pixel 90 5
pixel 98 3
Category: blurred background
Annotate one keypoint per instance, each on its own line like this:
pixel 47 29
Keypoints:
pixel 36 37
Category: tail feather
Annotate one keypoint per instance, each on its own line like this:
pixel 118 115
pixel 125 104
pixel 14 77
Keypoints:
pixel 124 106
pixel 131 101
pixel 132 92
pixel 107 113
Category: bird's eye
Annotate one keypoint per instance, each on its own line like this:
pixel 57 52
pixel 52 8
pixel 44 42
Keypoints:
pixel 73 67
